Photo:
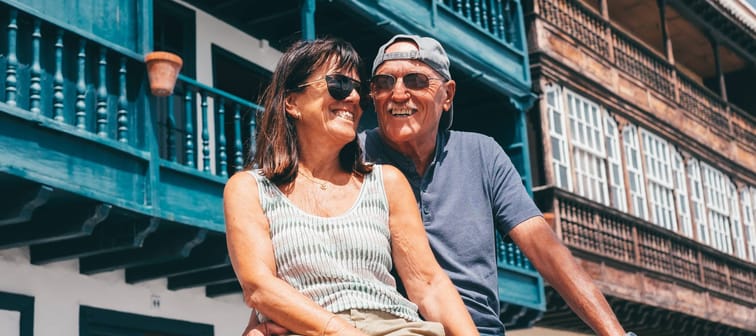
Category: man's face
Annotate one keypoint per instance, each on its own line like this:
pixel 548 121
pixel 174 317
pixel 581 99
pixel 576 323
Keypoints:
pixel 409 112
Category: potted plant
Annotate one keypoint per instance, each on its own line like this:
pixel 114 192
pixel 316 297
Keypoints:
pixel 162 69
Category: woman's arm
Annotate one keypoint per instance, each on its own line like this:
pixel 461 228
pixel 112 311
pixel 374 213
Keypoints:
pixel 251 251
pixel 426 283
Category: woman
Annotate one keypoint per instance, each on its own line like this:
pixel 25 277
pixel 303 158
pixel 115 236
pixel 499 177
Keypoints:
pixel 313 230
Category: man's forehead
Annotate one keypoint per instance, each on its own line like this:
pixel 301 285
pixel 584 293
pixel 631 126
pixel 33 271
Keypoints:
pixel 405 66
pixel 402 45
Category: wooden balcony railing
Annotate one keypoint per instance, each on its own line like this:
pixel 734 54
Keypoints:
pixel 702 103
pixel 608 234
pixel 585 26
pixel 73 82
pixel 643 64
pixel 649 67
pixel 186 119
pixel 496 18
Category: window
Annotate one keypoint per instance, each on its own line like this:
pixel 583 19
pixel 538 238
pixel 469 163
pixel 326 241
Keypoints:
pixel 16 314
pixel 616 179
pixel 736 225
pixel 716 189
pixel 748 200
pixel 101 322
pixel 559 159
pixel 634 172
pixel 681 194
pixel 587 139
pixel 661 186
pixel 697 201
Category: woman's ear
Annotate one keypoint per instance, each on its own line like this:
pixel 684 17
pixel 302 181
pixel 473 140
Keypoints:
pixel 290 103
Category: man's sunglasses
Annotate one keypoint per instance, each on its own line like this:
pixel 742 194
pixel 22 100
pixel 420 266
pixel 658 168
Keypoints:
pixel 339 86
pixel 413 81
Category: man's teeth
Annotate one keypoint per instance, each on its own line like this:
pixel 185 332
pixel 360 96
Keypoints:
pixel 401 112
pixel 345 115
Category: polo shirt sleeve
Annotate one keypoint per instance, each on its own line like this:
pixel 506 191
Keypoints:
pixel 511 203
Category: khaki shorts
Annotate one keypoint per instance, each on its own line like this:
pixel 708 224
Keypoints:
pixel 378 323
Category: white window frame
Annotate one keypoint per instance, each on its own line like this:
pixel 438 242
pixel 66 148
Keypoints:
pixel 698 208
pixel 560 159
pixel 633 164
pixel 681 194
pixel 716 188
pixel 736 225
pixel 660 184
pixel 748 202
pixel 586 135
pixel 614 160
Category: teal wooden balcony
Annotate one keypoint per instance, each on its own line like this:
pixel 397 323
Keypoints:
pixel 95 168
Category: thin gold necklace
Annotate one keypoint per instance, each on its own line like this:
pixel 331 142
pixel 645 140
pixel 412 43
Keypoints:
pixel 323 185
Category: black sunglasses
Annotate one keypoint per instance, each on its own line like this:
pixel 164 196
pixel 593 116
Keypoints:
pixel 412 81
pixel 339 86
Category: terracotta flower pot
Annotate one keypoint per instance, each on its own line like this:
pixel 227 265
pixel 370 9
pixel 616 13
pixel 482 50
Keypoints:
pixel 162 69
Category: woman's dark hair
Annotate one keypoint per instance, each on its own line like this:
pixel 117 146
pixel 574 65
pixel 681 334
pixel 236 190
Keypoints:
pixel 276 153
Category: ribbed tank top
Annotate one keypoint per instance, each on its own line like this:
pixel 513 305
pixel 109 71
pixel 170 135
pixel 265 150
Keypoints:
pixel 340 262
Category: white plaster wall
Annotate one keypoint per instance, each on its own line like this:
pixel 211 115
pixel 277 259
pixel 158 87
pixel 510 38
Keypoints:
pixel 9 323
pixel 58 290
pixel 211 31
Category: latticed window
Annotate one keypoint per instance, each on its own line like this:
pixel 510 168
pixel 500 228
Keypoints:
pixel 716 188
pixel 748 201
pixel 616 178
pixel 661 185
pixel 697 201
pixel 736 225
pixel 634 172
pixel 559 159
pixel 681 194
pixel 587 139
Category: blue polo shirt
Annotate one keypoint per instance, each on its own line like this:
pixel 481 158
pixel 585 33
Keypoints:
pixel 470 188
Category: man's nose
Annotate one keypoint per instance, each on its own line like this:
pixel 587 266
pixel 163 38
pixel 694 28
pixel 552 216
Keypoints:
pixel 400 92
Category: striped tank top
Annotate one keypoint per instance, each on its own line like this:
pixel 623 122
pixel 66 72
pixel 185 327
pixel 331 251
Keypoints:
pixel 340 262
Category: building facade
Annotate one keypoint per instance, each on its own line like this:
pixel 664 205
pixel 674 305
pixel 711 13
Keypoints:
pixel 111 215
pixel 644 156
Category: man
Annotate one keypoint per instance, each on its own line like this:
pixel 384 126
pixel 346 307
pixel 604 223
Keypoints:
pixel 466 186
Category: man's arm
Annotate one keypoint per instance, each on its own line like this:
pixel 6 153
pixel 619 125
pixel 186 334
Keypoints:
pixel 560 269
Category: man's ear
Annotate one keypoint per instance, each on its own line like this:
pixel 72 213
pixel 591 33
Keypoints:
pixel 451 87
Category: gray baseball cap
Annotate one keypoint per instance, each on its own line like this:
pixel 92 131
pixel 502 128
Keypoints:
pixel 429 52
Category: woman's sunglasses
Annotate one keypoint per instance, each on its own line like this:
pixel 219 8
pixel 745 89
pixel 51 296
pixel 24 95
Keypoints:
pixel 339 86
pixel 413 81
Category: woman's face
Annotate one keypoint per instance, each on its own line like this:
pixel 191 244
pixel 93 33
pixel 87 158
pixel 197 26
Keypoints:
pixel 321 118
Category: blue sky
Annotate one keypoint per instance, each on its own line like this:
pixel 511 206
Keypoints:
pixel 752 2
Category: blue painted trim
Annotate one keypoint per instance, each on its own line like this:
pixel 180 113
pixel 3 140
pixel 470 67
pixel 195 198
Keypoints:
pixel 92 319
pixel 521 287
pixel 73 29
pixel 377 13
pixel 72 130
pixel 524 42
pixel 145 20
pixel 308 20
pixel 215 92
pixel 25 306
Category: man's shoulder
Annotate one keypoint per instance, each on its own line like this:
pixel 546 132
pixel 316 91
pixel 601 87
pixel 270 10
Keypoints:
pixel 467 140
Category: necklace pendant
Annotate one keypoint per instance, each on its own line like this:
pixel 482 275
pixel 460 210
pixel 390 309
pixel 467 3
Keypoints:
pixel 323 187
